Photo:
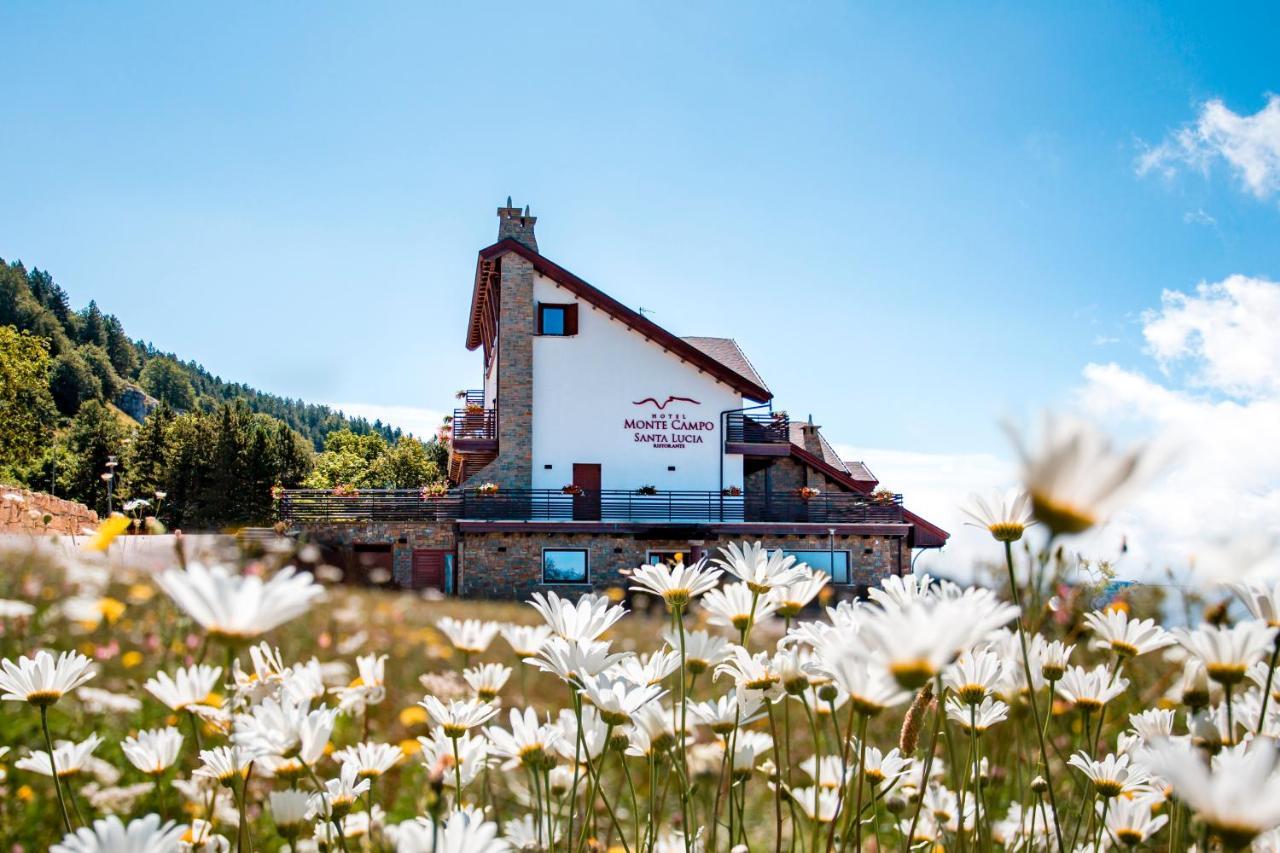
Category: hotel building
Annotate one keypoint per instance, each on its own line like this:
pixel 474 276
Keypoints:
pixel 600 441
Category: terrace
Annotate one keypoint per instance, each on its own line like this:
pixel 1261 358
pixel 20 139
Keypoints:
pixel 302 506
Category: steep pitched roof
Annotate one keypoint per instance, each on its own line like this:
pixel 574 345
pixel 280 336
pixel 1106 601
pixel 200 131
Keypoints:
pixel 727 352
pixel 749 385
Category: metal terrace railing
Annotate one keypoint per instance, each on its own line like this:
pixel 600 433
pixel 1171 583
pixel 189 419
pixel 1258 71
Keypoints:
pixel 765 428
pixel 610 505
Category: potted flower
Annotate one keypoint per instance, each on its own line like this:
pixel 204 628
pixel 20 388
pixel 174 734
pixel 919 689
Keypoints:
pixel 807 493
pixel 487 488
pixel 647 490
pixel 474 408
pixel 277 492
pixel 883 496
pixel 731 491
pixel 434 490
pixel 571 489
pixel 345 490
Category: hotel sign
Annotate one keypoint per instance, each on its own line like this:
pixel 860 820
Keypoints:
pixel 663 426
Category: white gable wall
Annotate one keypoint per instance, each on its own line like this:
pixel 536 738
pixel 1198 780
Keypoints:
pixel 585 389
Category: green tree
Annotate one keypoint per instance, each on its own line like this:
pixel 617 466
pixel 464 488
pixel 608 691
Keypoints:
pixel 100 363
pixel 95 436
pixel 368 446
pixel 27 411
pixel 147 462
pixel 406 465
pixel 73 383
pixel 164 379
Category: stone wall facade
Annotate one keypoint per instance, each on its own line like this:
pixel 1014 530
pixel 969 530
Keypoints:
pixel 403 538
pixel 507 565
pixel 504 564
pixel 513 466
pixel 24 511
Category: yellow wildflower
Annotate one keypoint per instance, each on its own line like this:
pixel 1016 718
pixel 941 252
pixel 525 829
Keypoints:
pixel 111 609
pixel 130 659
pixel 414 715
pixel 107 532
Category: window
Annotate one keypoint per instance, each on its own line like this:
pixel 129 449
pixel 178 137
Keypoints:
pixel 557 320
pixel 822 561
pixel 564 565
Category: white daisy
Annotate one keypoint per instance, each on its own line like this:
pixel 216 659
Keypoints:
pixel 1116 632
pixel 458 716
pixel 69 759
pixel 153 751
pixel 677 585
pixel 110 835
pixel 1075 479
pixel 525 640
pixel 736 606
pixel 487 680
pixel 1228 652
pixel 370 760
pixel 1005 515
pixel 239 607
pixel 757 568
pixel 470 636
pixel 584 620
pixel 44 679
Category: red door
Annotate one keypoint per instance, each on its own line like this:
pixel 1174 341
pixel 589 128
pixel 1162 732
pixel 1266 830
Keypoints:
pixel 428 568
pixel 586 506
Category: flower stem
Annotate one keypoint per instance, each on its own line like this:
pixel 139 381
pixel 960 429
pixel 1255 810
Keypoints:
pixel 53 767
pixel 1031 695
pixel 1266 690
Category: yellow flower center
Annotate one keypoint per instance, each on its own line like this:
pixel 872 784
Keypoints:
pixel 1061 517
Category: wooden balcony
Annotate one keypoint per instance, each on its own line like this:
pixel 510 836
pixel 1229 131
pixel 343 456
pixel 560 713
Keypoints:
pixel 474 428
pixel 304 506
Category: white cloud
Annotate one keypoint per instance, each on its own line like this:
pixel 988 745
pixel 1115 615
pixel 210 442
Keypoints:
pixel 1250 145
pixel 419 421
pixel 934 485
pixel 1215 421
pixel 1219 424
pixel 1226 332
pixel 1199 216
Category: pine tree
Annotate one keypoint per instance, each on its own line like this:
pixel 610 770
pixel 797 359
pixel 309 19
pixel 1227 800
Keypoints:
pixel 148 456
pixel 96 437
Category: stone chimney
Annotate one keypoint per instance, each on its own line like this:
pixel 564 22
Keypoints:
pixel 812 442
pixel 517 224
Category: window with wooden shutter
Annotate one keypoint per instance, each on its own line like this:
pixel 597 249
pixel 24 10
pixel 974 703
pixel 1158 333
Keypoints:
pixel 557 319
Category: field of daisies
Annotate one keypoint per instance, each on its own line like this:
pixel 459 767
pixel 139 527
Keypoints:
pixel 736 703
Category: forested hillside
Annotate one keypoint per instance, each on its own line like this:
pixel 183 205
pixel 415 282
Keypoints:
pixel 79 399
pixel 93 359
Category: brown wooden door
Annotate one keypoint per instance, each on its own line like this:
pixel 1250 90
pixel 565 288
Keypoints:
pixel 586 506
pixel 428 568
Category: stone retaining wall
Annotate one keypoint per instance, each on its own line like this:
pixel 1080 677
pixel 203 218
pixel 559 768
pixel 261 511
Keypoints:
pixel 24 511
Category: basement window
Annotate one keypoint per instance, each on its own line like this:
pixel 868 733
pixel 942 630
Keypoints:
pixel 557 320
pixel 564 565
pixel 834 563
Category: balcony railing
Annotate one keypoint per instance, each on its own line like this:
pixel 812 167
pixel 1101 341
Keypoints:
pixel 750 428
pixel 610 505
pixel 473 424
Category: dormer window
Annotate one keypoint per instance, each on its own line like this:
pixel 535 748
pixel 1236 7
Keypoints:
pixel 557 320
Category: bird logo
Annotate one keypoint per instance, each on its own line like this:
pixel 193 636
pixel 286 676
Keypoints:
pixel 663 405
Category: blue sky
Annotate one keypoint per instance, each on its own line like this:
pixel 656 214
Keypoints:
pixel 915 221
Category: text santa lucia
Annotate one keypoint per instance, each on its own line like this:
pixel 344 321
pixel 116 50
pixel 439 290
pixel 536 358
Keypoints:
pixel 668 430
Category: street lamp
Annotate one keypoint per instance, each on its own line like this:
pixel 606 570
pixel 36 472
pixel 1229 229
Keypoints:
pixel 109 478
